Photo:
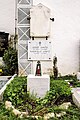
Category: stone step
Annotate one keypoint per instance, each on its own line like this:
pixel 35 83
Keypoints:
pixel 76 96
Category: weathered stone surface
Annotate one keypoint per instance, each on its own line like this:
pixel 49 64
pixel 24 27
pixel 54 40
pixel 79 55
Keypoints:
pixel 16 112
pixel 38 85
pixel 65 105
pixel 49 115
pixel 40 21
pixel 60 114
pixel 76 96
pixel 8 105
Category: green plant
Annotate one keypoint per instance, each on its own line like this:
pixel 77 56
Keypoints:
pixel 55 69
pixel 72 113
pixel 59 92
pixel 68 77
pixel 5 114
pixel 61 87
pixel 10 61
pixel 16 91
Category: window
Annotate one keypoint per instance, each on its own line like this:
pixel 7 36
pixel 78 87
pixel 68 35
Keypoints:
pixel 3 42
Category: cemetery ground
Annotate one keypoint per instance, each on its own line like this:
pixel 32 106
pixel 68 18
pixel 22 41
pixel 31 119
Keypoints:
pixel 51 107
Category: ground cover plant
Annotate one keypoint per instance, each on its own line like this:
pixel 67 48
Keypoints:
pixel 60 92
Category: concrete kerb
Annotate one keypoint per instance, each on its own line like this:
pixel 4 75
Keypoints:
pixel 76 96
pixel 4 87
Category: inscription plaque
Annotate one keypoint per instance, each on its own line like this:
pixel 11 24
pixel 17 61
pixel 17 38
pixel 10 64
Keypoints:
pixel 39 50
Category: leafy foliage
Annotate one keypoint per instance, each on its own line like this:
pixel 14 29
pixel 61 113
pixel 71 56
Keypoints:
pixel 59 92
pixel 73 113
pixel 10 61
pixel 61 87
pixel 5 114
pixel 67 77
pixel 8 115
pixel 17 93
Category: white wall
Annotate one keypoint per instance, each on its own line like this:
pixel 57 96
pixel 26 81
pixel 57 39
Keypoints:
pixel 65 30
pixel 7 16
pixel 65 33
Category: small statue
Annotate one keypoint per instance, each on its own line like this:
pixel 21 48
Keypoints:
pixel 55 69
pixel 38 69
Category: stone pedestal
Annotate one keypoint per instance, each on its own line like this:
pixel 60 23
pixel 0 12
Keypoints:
pixel 38 85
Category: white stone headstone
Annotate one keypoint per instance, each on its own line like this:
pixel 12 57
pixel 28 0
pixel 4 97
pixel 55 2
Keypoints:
pixel 38 85
pixel 40 21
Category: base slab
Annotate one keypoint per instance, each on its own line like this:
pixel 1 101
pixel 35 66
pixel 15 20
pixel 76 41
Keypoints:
pixel 38 85
pixel 76 96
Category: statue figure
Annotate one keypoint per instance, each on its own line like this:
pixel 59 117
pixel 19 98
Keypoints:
pixel 38 69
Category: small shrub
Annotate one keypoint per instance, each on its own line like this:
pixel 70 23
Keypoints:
pixel 10 61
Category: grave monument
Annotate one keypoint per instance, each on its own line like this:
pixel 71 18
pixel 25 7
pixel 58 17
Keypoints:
pixel 39 50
